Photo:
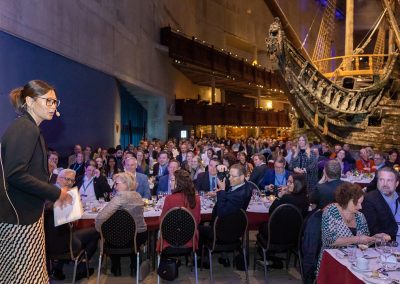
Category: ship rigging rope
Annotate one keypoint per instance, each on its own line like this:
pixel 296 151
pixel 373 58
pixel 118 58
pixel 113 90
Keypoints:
pixel 309 30
pixel 374 28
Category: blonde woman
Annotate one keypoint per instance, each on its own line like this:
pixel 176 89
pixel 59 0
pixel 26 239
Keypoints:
pixel 196 168
pixel 126 198
pixel 305 162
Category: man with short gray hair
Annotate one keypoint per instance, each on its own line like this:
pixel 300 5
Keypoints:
pixel 325 191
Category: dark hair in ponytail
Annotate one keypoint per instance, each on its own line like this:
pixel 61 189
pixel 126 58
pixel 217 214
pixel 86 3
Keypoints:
pixel 33 89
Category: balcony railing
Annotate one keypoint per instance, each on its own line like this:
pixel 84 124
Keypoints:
pixel 201 113
pixel 352 65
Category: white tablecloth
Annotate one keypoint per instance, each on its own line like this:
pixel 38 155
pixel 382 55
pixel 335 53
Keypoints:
pixel 373 265
pixel 206 208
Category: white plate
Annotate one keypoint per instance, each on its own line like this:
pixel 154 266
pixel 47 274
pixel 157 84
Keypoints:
pixel 355 268
pixel 373 280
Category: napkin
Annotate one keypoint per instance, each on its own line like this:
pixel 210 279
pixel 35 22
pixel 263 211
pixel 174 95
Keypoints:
pixel 390 259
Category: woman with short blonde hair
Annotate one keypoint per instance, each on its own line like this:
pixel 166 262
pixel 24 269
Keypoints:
pixel 126 198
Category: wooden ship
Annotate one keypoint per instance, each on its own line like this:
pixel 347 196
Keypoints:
pixel 356 101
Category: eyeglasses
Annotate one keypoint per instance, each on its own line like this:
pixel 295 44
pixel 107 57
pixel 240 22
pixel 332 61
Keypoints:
pixel 51 102
pixel 69 179
pixel 232 176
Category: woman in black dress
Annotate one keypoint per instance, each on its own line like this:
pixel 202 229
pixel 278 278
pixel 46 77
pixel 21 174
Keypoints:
pixel 25 186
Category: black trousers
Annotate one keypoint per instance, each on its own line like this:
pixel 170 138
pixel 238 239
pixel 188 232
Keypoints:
pixel 86 239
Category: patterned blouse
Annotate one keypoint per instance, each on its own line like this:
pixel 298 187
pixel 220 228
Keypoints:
pixel 334 227
pixel 311 166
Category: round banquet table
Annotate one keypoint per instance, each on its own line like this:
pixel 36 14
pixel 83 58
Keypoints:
pixel 257 213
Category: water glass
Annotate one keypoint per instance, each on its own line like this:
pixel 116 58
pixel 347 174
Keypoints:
pixel 352 253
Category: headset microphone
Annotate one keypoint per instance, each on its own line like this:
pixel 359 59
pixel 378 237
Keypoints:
pixel 58 113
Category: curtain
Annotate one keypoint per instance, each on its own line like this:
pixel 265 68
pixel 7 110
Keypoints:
pixel 133 119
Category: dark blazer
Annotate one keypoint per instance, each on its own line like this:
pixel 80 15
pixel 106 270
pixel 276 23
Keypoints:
pixel 203 182
pixel 100 185
pixel 179 158
pixel 156 168
pixel 325 193
pixel 79 169
pixel 379 217
pixel 298 200
pixel 26 171
pixel 229 202
pixel 269 178
pixel 258 173
pixel 163 184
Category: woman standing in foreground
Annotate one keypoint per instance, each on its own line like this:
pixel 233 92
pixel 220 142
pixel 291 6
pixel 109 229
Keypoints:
pixel 24 186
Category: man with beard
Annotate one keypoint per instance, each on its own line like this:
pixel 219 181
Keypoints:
pixel 381 207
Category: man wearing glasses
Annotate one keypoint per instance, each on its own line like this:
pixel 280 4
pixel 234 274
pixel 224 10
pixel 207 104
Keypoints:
pixel 275 178
pixel 86 238
pixel 229 201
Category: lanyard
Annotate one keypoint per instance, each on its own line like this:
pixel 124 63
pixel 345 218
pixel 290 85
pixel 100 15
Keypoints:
pixel 86 187
pixel 367 165
pixel 77 168
pixel 279 182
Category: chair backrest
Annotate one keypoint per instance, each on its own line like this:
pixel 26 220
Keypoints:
pixel 252 186
pixel 231 228
pixel 119 231
pixel 284 225
pixel 58 239
pixel 310 245
pixel 178 227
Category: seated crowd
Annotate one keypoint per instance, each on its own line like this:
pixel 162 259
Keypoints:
pixel 294 172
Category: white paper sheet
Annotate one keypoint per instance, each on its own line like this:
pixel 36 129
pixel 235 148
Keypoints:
pixel 71 212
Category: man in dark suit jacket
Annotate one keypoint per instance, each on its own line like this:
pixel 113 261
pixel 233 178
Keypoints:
pixel 229 201
pixel 207 181
pixel 326 188
pixel 162 162
pixel 275 178
pixel 234 198
pixel 100 184
pixel 259 170
pixel 166 183
pixel 182 154
pixel 380 207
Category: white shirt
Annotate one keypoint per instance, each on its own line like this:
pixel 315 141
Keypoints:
pixel 87 190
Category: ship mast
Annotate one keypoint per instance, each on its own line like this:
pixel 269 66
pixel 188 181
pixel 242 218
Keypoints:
pixel 348 45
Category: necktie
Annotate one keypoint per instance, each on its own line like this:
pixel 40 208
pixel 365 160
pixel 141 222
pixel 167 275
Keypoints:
pixel 212 183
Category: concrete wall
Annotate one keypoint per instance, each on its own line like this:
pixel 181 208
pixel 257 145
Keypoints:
pixel 89 98
pixel 121 39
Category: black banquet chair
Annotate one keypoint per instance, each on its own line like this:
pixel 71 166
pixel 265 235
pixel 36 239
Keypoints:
pixel 178 227
pixel 310 246
pixel 118 236
pixel 59 243
pixel 284 228
pixel 229 235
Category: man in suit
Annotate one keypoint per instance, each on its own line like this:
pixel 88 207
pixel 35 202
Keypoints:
pixel 85 238
pixel 92 185
pixel 183 153
pixel 259 170
pixel 326 188
pixel 275 178
pixel 207 181
pixel 229 201
pixel 381 206
pixel 161 167
pixel 380 162
pixel 167 182
pixel 130 165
